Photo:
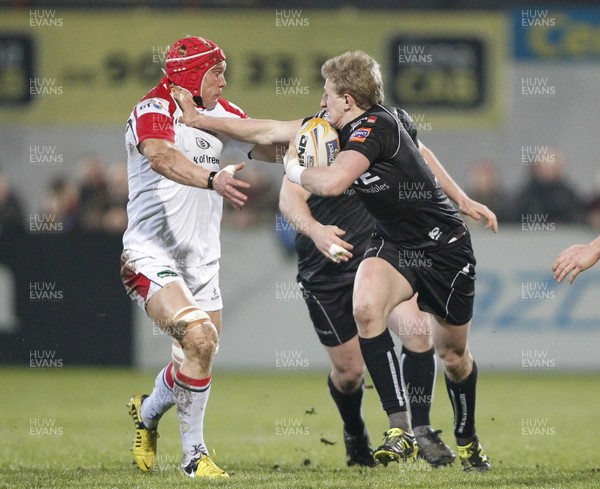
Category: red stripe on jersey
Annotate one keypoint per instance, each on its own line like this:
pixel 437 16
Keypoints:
pixel 232 108
pixel 156 125
pixel 192 382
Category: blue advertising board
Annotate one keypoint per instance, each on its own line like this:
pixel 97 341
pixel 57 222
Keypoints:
pixel 556 34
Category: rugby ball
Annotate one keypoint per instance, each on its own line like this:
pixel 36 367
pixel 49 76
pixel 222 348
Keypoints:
pixel 317 143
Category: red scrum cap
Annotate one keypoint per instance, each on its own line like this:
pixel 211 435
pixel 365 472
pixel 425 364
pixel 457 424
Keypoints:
pixel 189 59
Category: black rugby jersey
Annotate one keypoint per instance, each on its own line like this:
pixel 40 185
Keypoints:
pixel 347 212
pixel 399 189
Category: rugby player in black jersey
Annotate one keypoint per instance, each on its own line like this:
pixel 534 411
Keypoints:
pixel 322 223
pixel 328 289
pixel 382 163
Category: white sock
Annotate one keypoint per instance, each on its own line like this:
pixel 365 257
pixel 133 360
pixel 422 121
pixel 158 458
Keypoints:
pixel 191 397
pixel 161 399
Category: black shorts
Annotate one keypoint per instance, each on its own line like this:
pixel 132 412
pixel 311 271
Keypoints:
pixel 331 313
pixel 444 277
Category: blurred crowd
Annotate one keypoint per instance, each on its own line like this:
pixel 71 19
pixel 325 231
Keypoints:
pixel 95 198
pixel 545 192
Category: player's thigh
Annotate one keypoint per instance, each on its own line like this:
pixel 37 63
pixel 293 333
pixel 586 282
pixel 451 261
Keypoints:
pixel 449 338
pixel 411 325
pixel 167 301
pixel 379 287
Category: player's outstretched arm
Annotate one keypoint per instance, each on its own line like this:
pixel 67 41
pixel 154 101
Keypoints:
pixel 466 205
pixel 575 259
pixel 327 238
pixel 166 160
pixel 257 131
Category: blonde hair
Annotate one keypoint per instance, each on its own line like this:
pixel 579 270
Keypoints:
pixel 357 74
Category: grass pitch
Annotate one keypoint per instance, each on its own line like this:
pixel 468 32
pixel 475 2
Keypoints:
pixel 69 428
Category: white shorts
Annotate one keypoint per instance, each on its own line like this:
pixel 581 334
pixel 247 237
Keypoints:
pixel 143 276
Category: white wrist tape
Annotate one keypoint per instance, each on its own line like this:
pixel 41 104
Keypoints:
pixel 229 169
pixel 290 162
pixel 294 174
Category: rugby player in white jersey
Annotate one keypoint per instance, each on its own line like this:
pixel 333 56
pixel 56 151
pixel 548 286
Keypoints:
pixel 170 261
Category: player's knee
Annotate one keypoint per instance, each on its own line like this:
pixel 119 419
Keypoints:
pixel 200 343
pixel 365 312
pixel 453 360
pixel 450 361
pixel 417 342
pixel 195 332
pixel 348 379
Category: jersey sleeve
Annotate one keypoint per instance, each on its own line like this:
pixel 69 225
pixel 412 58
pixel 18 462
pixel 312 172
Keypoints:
pixel 152 118
pixel 374 140
pixel 408 124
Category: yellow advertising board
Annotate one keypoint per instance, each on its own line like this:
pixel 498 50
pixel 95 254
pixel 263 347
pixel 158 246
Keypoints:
pixel 91 67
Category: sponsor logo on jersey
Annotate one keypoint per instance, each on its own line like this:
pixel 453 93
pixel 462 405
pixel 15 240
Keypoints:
pixel 371 119
pixel 367 178
pixel 153 106
pixel 373 189
pixel 368 181
pixel 435 233
pixel 360 134
pixel 208 159
pixel 357 123
pixel 167 273
pixel 202 143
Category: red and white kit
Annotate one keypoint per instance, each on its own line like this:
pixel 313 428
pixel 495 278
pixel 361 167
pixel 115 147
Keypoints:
pixel 173 229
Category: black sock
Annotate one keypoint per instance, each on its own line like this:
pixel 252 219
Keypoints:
pixel 462 396
pixel 418 373
pixel 383 366
pixel 349 407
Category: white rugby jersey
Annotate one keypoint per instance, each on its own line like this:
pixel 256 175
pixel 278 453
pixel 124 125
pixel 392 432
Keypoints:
pixel 175 223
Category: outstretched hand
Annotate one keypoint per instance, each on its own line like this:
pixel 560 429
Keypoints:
pixel 475 210
pixel 574 260
pixel 227 185
pixel 190 117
